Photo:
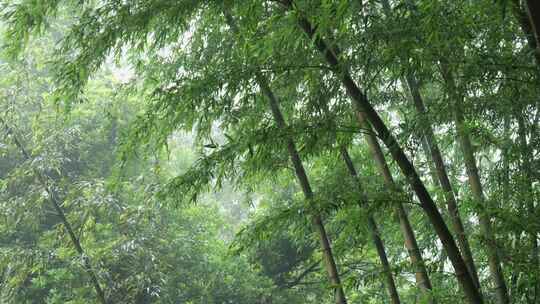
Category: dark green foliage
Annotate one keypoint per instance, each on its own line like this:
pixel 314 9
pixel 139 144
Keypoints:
pixel 177 179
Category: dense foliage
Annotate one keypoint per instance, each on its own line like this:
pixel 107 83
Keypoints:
pixel 370 151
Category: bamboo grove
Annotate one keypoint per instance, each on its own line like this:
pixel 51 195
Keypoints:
pixel 376 151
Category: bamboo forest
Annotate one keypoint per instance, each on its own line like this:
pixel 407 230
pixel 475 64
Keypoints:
pixel 269 152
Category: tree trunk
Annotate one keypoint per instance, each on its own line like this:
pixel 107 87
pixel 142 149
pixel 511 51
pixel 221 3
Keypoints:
pixel 476 187
pixel 53 198
pixel 362 104
pixel 430 146
pixel 444 181
pixel 421 275
pixel 329 261
pixel 373 229
pixel 533 11
pixel 428 141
